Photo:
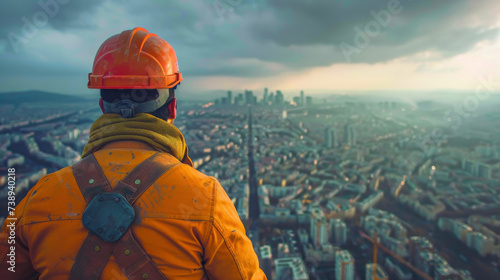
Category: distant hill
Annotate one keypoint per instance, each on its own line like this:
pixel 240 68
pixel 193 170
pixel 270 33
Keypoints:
pixel 36 96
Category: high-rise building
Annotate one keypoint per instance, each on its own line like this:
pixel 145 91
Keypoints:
pixel 349 135
pixel 249 98
pixel 266 260
pixel 265 96
pixel 239 100
pixel 469 166
pixel 279 98
pixel 353 136
pixel 296 100
pixel 320 231
pixel 229 97
pixel 339 230
pixel 328 138
pixel 309 100
pixel 344 265
pixel 302 101
pixel 483 171
pixel 331 140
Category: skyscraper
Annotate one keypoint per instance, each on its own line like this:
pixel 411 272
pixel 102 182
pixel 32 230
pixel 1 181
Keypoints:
pixel 328 138
pixel 265 95
pixel 353 136
pixel 339 229
pixel 344 265
pixel 349 135
pixel 319 232
pixel 302 101
pixel 331 140
pixel 248 97
pixel 278 98
pixel 335 138
pixel 309 100
pixel 229 98
pixel 483 171
pixel 239 100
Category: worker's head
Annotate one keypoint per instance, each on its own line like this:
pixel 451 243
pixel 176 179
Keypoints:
pixel 137 72
pixel 160 103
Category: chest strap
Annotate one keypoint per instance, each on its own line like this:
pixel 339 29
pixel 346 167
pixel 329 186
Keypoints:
pixel 92 257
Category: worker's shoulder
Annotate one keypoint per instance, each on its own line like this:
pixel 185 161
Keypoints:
pixel 182 192
pixel 54 197
pixel 52 182
pixel 190 173
pixel 185 176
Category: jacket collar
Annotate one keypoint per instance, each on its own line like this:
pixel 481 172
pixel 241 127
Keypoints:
pixel 128 144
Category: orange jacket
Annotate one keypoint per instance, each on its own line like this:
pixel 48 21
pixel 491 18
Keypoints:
pixel 185 222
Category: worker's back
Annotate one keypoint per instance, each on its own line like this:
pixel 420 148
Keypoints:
pixel 185 221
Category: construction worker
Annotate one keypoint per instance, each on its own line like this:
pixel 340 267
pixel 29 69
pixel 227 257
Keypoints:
pixel 133 207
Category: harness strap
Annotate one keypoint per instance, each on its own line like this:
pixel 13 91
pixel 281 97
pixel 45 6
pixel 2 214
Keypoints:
pixel 144 175
pixel 90 178
pixel 92 257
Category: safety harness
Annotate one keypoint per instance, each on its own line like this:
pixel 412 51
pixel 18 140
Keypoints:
pixel 108 217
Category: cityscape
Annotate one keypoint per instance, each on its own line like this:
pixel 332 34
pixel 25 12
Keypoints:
pixel 328 187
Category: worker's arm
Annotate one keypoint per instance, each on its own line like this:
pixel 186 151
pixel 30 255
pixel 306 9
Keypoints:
pixel 228 251
pixel 14 253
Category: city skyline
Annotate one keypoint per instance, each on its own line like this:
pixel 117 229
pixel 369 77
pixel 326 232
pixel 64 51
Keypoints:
pixel 354 138
pixel 431 200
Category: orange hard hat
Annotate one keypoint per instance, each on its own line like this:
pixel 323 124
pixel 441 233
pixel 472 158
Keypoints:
pixel 135 59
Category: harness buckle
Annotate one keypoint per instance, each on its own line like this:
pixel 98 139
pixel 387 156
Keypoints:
pixel 108 216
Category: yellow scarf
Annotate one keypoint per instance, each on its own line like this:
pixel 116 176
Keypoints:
pixel 143 127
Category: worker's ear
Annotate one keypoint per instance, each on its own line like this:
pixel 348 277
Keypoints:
pixel 101 104
pixel 172 109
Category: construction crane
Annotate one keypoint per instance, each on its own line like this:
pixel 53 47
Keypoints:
pixel 392 254
pixel 374 268
pixel 401 185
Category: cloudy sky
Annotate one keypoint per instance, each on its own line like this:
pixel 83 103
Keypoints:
pixel 319 46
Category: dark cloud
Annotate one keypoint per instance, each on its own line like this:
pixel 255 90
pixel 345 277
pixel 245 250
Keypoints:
pixel 250 38
pixel 442 26
pixel 300 34
pixel 61 14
